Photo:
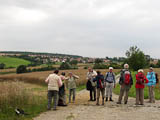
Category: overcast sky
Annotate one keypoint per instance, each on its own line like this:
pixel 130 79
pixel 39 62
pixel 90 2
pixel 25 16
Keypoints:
pixel 94 28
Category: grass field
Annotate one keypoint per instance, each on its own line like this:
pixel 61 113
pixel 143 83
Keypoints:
pixel 132 92
pixel 31 98
pixel 13 62
pixel 39 77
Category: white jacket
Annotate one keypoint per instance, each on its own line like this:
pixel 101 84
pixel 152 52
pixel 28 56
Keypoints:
pixel 54 82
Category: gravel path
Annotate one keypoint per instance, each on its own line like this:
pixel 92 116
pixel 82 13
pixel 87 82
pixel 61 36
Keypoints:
pixel 82 109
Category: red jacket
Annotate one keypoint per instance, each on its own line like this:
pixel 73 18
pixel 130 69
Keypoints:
pixel 140 85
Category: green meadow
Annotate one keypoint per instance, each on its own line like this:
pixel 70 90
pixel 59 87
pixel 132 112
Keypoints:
pixel 13 62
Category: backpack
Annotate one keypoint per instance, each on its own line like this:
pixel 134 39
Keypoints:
pixel 157 79
pixel 127 77
pixel 89 85
pixel 101 82
pixel 108 80
pixel 140 78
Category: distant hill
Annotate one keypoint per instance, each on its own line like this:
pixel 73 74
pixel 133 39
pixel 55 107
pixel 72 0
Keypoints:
pixel 13 62
pixel 39 53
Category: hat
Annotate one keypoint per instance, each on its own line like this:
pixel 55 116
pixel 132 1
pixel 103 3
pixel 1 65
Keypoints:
pixel 126 66
pixel 151 68
pixel 140 70
pixel 110 68
pixel 70 73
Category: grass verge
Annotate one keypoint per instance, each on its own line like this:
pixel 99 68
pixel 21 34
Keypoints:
pixel 31 98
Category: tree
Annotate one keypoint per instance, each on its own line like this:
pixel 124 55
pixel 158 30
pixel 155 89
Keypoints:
pixel 2 66
pixel 158 64
pixel 21 69
pixel 65 66
pixel 136 58
pixel 98 61
pixel 74 62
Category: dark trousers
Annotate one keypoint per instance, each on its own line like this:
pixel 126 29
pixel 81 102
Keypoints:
pixel 52 94
pixel 93 93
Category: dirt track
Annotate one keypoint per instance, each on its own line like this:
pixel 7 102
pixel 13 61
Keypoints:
pixel 84 110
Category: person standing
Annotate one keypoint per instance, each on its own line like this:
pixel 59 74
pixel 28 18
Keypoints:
pixel 72 86
pixel 151 84
pixel 90 76
pixel 110 83
pixel 125 82
pixel 62 91
pixel 54 82
pixel 99 79
pixel 140 84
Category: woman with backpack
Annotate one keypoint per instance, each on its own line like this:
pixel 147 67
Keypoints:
pixel 151 84
pixel 140 84
pixel 100 86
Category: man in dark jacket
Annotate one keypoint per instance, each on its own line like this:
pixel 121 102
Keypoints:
pixel 100 86
pixel 126 82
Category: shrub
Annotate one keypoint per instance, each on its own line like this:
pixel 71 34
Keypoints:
pixel 21 69
pixel 99 66
pixel 43 69
pixel 85 67
pixel 2 66
pixel 65 66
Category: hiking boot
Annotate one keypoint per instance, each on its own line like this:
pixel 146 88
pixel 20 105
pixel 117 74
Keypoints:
pixel 118 102
pixel 125 102
pixel 103 101
pixel 111 99
pixel 106 99
pixel 153 101
pixel 141 104
pixel 54 109
pixel 97 102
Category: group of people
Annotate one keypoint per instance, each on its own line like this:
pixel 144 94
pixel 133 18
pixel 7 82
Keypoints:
pixel 57 88
pixel 126 82
pixel 98 84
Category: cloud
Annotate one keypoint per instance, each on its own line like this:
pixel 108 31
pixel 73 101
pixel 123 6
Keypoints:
pixel 96 28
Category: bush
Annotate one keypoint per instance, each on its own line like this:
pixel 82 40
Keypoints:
pixel 115 66
pixel 21 69
pixel 99 66
pixel 85 67
pixel 65 66
pixel 43 69
pixel 74 62
pixel 2 66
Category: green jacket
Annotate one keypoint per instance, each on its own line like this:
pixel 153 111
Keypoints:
pixel 72 82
